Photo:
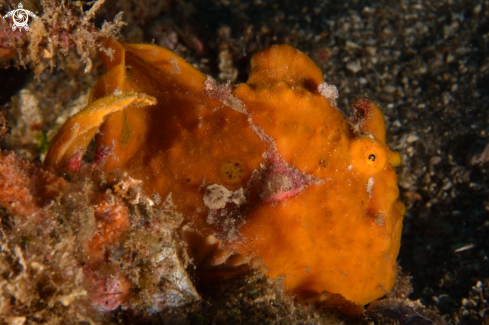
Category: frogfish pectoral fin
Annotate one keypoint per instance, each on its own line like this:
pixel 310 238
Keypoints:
pixel 73 138
pixel 212 261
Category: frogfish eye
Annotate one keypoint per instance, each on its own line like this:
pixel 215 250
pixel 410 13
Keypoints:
pixel 368 156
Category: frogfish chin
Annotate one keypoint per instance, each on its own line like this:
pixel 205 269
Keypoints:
pixel 268 174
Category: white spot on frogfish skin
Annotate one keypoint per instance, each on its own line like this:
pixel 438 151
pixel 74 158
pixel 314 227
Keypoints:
pixel 328 91
pixel 217 196
pixel 223 93
pixel 174 67
pixel 370 185
pixel 382 287
pixel 109 52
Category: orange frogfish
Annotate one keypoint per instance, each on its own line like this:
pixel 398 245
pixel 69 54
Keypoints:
pixel 269 171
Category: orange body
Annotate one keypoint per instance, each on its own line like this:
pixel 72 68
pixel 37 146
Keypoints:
pixel 310 192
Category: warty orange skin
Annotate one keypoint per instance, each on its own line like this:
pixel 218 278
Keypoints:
pixel 319 200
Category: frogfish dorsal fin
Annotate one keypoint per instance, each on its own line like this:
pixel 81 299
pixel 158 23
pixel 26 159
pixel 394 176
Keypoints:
pixel 284 63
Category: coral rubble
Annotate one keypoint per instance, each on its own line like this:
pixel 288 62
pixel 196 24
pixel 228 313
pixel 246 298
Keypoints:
pixel 61 26
pixel 69 245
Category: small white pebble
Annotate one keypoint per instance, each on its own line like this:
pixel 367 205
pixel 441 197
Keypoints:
pixel 354 66
pixel 412 138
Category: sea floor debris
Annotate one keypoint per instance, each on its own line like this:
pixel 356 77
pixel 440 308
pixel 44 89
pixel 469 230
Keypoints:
pixel 53 271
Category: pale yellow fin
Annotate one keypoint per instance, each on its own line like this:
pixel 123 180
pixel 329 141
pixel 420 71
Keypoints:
pixel 75 135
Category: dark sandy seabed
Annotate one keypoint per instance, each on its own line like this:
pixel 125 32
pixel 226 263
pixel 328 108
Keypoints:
pixel 425 62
